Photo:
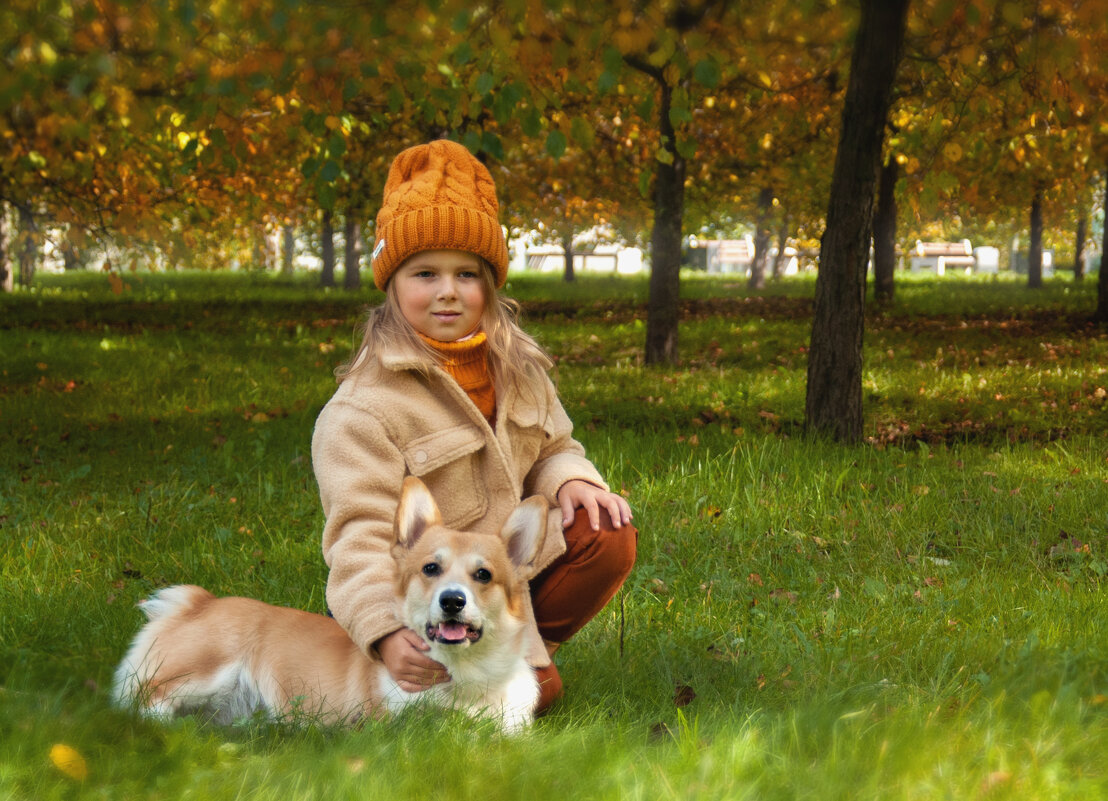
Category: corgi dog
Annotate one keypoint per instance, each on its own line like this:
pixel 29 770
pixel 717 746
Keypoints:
pixel 463 593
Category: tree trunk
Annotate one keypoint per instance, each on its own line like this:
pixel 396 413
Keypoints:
pixel 352 255
pixel 833 404
pixel 7 273
pixel 327 249
pixel 1079 247
pixel 28 247
pixel 884 233
pixel 663 305
pixel 782 241
pixel 288 245
pixel 567 254
pixel 1102 276
pixel 71 257
pixel 761 240
pixel 1035 247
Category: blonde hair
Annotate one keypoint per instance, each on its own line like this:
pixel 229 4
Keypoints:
pixel 516 360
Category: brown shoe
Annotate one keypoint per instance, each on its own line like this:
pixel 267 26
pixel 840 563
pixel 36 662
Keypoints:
pixel 550 687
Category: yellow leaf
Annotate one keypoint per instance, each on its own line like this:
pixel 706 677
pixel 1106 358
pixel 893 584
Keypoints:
pixel 766 80
pixel 47 54
pixel 69 761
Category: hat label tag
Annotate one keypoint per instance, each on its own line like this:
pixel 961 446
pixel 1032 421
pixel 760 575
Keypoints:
pixel 377 250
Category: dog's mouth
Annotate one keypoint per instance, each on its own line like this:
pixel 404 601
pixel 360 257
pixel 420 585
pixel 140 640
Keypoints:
pixel 452 632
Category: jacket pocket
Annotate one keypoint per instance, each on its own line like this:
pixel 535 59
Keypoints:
pixel 530 436
pixel 447 462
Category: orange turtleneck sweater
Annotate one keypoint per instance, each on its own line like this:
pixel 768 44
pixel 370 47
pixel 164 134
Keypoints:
pixel 467 362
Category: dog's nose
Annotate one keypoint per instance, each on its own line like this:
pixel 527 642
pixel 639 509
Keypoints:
pixel 452 601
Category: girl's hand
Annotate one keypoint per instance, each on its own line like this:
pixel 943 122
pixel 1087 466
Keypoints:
pixel 578 494
pixel 405 658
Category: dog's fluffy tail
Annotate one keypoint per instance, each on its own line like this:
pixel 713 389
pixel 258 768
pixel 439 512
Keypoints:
pixel 138 666
pixel 173 600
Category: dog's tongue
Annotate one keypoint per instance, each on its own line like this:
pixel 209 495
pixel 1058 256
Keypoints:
pixel 452 631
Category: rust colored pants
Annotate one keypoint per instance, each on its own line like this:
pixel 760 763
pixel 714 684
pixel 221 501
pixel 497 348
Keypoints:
pixel 571 591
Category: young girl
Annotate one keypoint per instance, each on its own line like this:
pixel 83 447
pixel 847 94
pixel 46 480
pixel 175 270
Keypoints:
pixel 447 387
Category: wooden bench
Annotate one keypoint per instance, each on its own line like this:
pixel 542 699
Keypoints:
pixel 729 255
pixel 938 256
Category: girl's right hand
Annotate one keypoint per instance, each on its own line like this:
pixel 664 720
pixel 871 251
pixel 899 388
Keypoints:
pixel 405 658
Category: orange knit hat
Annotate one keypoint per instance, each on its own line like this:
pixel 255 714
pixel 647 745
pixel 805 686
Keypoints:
pixel 438 197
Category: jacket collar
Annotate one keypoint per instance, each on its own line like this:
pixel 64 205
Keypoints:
pixel 524 408
pixel 404 358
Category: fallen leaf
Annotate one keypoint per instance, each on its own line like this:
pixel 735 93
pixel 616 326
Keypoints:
pixel 683 695
pixel 67 759
pixel 995 780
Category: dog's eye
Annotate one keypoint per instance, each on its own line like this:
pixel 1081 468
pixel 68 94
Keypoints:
pixel 482 575
pixel 432 569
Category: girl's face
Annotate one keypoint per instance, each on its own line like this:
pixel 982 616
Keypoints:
pixel 441 293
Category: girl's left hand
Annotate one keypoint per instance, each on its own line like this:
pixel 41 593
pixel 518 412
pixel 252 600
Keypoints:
pixel 578 494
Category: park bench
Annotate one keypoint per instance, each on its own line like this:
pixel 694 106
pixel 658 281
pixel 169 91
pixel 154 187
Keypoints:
pixel 938 256
pixel 729 255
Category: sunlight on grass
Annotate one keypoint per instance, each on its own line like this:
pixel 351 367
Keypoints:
pixel 921 617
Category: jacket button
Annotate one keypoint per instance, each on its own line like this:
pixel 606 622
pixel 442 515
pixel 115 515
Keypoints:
pixel 421 457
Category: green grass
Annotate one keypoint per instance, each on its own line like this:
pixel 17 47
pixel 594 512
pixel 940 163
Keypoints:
pixel 921 617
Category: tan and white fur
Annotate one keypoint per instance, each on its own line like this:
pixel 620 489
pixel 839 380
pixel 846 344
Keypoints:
pixel 464 593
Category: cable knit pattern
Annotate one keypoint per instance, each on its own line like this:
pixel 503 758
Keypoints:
pixel 467 362
pixel 438 197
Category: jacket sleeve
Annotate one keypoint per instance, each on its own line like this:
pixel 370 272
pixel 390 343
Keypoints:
pixel 359 471
pixel 561 458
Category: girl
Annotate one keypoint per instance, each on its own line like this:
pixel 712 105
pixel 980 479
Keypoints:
pixel 446 386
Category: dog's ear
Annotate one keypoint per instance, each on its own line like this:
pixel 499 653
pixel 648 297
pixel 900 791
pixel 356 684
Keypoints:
pixel 525 530
pixel 416 512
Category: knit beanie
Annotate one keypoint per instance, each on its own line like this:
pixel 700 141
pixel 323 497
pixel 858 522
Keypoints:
pixel 438 197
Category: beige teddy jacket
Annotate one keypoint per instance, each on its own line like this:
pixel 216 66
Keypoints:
pixel 384 424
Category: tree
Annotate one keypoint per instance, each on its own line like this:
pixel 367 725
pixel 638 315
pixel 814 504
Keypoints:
pixel 7 274
pixel 327 248
pixel 1101 315
pixel 1079 247
pixel 762 234
pixel 1035 247
pixel 833 404
pixel 685 71
pixel 884 232
pixel 668 196
pixel 352 254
